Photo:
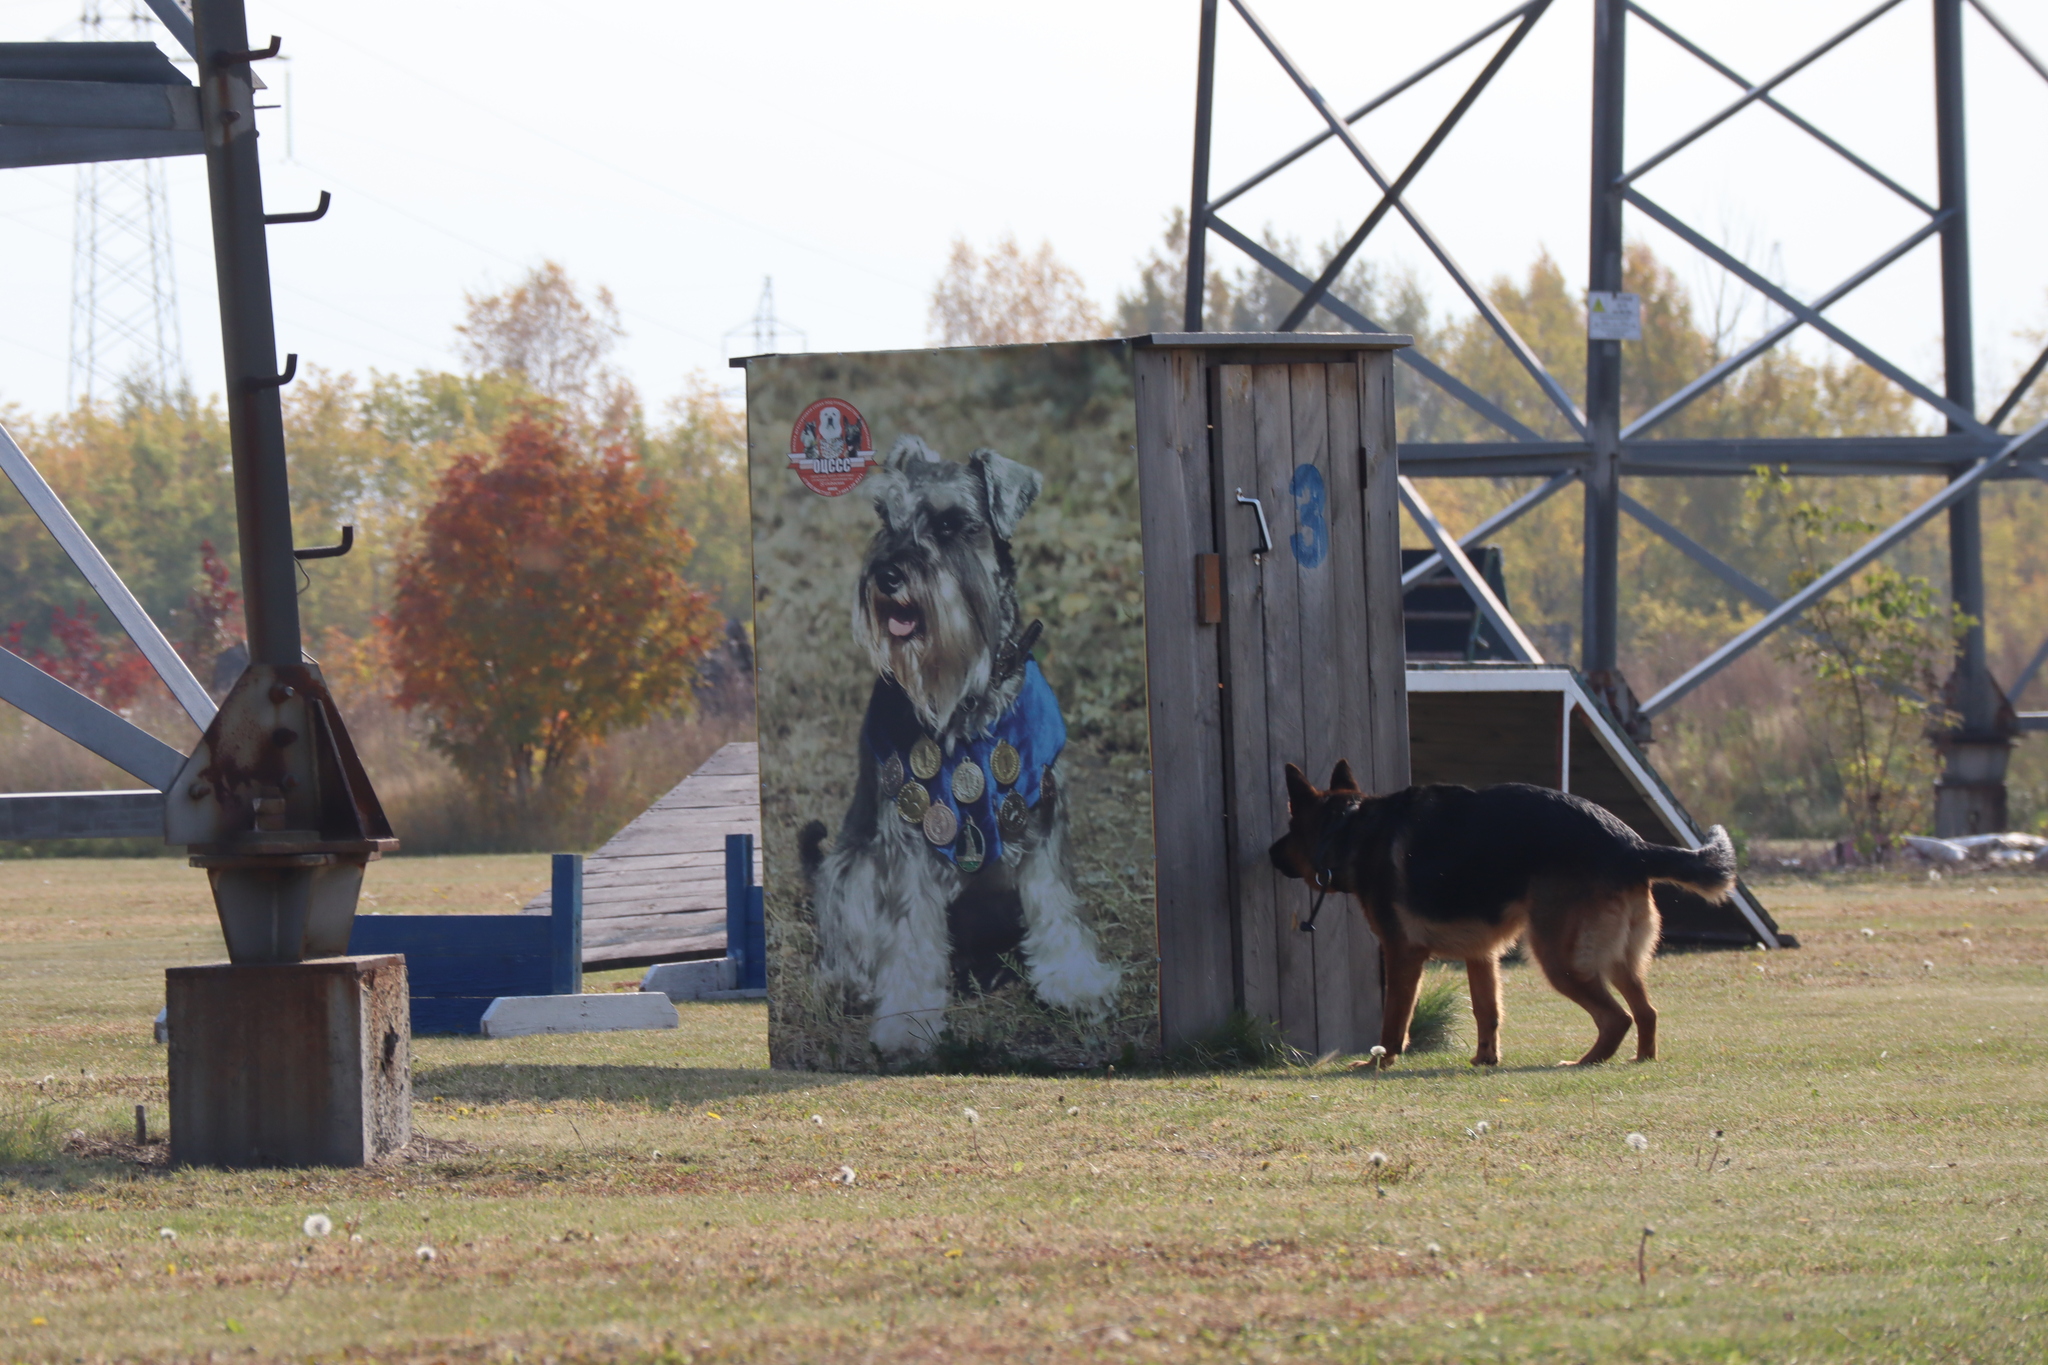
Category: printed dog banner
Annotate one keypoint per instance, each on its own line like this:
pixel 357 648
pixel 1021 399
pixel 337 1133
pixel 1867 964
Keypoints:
pixel 956 806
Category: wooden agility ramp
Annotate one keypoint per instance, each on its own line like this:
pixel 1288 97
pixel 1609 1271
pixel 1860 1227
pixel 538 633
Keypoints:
pixel 656 890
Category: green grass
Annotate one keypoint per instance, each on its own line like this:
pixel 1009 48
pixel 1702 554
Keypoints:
pixel 1441 1010
pixel 1875 1193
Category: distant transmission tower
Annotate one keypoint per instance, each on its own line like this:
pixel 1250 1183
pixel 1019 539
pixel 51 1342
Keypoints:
pixel 124 293
pixel 766 329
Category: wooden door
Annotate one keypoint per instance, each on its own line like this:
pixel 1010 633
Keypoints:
pixel 1305 678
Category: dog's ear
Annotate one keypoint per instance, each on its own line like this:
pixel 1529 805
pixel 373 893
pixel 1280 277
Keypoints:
pixel 1341 779
pixel 1011 489
pixel 907 451
pixel 1300 794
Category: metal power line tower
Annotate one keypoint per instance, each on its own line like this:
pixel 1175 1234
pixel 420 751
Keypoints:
pixel 124 293
pixel 767 331
pixel 1602 449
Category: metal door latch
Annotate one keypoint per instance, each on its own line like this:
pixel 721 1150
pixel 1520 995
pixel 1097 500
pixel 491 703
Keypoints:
pixel 1265 535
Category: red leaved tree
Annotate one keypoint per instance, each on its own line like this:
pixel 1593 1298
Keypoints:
pixel 544 608
pixel 112 673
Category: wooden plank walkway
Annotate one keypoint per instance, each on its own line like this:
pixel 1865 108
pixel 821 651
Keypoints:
pixel 657 888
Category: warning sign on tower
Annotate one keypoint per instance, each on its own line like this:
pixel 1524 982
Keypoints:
pixel 1614 317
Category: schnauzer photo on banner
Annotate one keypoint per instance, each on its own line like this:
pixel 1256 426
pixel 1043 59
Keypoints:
pixel 956 813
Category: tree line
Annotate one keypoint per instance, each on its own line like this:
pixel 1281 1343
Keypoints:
pixel 484 494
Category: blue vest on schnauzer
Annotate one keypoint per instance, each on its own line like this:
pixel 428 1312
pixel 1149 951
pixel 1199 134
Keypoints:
pixel 1032 726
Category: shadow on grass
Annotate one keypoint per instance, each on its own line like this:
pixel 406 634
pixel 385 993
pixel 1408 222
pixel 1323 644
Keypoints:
pixel 657 1086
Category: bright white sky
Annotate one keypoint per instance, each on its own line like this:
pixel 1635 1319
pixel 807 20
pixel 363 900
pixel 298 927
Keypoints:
pixel 681 152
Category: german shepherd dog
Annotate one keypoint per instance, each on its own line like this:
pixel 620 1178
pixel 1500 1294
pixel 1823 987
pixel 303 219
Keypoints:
pixel 1448 872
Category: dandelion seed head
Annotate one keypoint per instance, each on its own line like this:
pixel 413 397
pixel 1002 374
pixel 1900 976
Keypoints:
pixel 317 1225
pixel 1926 964
pixel 818 1119
pixel 1638 1143
pixel 844 1177
pixel 1377 1159
pixel 168 1234
pixel 1483 1127
pixel 1433 1249
pixel 356 1237
pixel 1377 1051
pixel 1870 933
pixel 1073 1110
pixel 426 1254
pixel 972 1116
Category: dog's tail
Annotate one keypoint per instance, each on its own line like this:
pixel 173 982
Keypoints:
pixel 1709 869
pixel 810 844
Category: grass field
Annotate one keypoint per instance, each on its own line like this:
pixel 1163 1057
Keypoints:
pixel 1876 1193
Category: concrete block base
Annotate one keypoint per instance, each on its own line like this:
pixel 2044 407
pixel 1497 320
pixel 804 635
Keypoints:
pixel 515 1016
pixel 290 1064
pixel 681 981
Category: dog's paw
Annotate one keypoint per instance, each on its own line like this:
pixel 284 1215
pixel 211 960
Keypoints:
pixel 1079 982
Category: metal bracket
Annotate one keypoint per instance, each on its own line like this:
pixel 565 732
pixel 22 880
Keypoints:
pixel 313 216
pixel 291 367
pixel 244 58
pixel 348 542
pixel 1265 535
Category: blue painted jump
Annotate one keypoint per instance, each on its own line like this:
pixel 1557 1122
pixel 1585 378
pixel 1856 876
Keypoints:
pixel 458 964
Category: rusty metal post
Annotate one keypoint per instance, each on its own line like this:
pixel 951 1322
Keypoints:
pixel 241 257
pixel 290 1053
pixel 273 802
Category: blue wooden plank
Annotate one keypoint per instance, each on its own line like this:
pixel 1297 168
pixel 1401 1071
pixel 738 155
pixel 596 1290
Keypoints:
pixel 449 1013
pixel 566 926
pixel 489 955
pixel 739 877
pixel 757 939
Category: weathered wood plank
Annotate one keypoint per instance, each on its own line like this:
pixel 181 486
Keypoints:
pixel 1385 645
pixel 1352 1025
pixel 1326 675
pixel 1244 673
pixel 1191 883
pixel 1273 435
pixel 641 949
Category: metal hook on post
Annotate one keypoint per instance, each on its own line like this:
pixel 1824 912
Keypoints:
pixel 291 367
pixel 311 216
pixel 348 541
pixel 243 58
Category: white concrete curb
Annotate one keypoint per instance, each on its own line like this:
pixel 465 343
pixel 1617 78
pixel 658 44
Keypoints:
pixel 515 1016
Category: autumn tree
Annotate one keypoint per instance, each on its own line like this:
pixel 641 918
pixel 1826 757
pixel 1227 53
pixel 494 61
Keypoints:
pixel 1007 297
pixel 110 670
pixel 542 330
pixel 544 608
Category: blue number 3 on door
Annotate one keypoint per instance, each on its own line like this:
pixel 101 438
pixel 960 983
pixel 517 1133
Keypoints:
pixel 1311 544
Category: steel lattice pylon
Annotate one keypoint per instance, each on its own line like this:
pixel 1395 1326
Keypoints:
pixel 1602 448
pixel 124 294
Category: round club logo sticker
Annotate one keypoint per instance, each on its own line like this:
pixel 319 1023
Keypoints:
pixel 830 447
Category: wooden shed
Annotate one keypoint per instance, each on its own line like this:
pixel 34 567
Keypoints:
pixel 1206 571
